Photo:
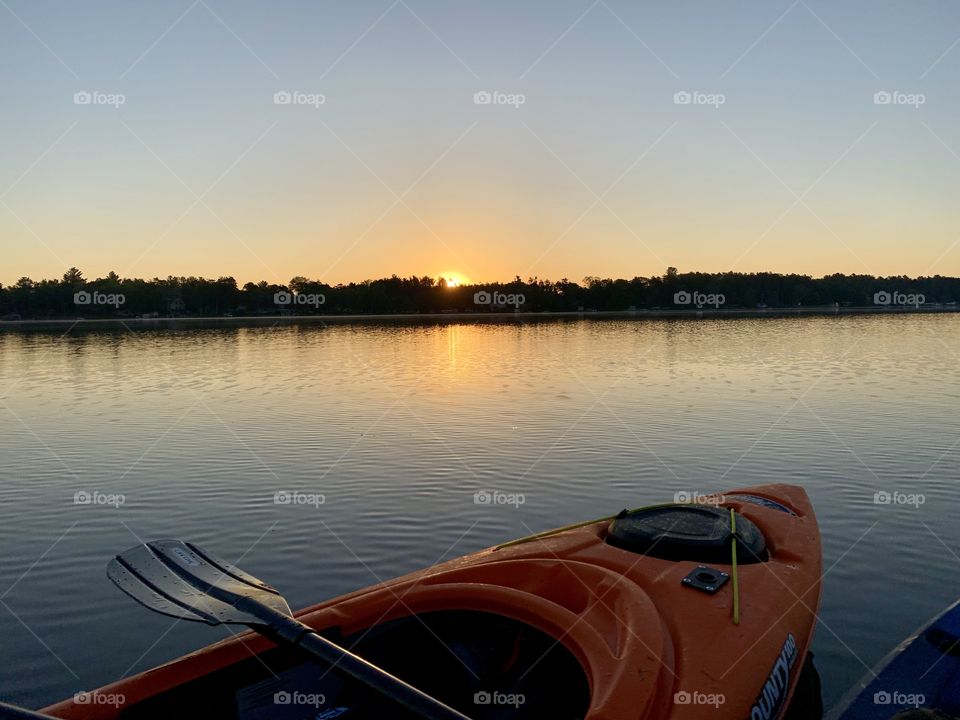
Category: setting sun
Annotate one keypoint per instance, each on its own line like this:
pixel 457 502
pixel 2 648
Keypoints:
pixel 454 279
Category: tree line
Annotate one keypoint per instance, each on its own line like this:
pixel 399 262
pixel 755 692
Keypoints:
pixel 73 295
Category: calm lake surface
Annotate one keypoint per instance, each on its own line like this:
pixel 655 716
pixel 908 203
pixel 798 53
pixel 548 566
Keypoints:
pixel 398 425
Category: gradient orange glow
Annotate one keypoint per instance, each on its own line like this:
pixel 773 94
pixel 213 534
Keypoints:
pixel 598 172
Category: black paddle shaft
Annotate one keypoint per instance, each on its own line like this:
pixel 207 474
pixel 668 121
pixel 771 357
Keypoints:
pixel 184 581
pixel 294 632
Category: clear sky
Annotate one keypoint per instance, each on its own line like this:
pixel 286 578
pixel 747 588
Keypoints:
pixel 585 162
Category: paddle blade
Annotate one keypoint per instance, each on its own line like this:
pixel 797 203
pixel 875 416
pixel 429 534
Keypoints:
pixel 183 581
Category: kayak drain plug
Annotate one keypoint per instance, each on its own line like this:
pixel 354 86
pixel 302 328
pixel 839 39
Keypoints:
pixel 705 578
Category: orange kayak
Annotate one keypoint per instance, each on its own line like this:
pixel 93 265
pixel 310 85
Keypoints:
pixel 630 617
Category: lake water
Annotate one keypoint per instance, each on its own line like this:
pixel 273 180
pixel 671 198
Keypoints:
pixel 397 425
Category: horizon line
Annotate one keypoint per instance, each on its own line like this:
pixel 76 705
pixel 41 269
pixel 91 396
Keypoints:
pixel 466 282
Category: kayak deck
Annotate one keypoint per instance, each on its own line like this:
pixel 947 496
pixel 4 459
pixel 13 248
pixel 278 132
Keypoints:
pixel 577 625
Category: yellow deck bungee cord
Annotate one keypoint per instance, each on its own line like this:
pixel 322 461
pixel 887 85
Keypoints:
pixel 548 533
pixel 733 568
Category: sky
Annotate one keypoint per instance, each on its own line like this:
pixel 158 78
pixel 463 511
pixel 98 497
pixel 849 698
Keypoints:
pixel 349 140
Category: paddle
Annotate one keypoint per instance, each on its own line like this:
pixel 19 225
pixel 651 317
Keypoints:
pixel 181 580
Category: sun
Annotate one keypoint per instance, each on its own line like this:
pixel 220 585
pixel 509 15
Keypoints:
pixel 454 279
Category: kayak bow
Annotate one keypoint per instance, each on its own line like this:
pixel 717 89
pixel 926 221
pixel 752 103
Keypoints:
pixel 624 617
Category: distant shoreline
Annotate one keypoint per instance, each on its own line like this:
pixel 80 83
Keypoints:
pixel 652 314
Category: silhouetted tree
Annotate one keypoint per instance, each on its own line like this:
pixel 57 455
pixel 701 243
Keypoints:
pixel 199 296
